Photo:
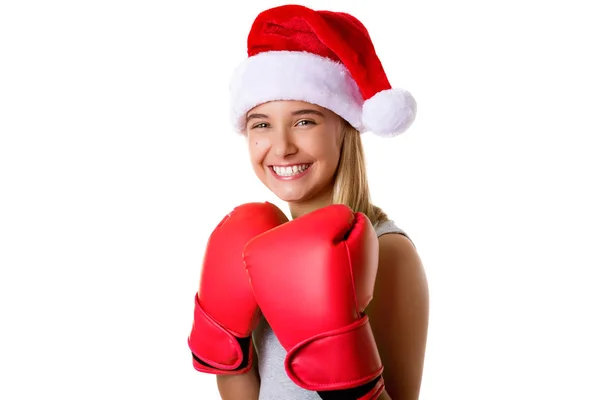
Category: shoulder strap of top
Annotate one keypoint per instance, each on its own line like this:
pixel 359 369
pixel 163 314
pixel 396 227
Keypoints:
pixel 390 226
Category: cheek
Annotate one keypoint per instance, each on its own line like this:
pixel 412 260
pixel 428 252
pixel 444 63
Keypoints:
pixel 257 149
pixel 325 150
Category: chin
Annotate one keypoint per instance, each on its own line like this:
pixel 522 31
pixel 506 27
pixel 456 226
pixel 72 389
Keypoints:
pixel 289 196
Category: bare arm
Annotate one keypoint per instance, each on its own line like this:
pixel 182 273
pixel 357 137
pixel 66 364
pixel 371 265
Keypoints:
pixel 240 387
pixel 399 316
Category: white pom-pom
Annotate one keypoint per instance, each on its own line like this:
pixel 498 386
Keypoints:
pixel 389 113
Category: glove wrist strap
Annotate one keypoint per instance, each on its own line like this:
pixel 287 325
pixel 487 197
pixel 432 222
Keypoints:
pixel 214 349
pixel 369 391
pixel 342 359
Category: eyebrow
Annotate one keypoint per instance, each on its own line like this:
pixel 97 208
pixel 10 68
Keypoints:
pixel 307 111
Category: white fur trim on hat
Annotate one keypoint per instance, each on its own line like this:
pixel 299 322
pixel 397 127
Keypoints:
pixel 389 112
pixel 293 75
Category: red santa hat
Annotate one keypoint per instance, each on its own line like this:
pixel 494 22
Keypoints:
pixel 324 58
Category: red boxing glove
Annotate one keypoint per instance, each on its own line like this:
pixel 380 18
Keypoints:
pixel 225 311
pixel 313 278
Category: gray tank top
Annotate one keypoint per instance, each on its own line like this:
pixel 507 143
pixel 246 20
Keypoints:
pixel 274 382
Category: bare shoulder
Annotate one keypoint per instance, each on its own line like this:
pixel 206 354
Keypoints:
pixel 396 250
pixel 399 315
pixel 401 274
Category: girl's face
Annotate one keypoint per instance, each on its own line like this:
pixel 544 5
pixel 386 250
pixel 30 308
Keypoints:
pixel 294 148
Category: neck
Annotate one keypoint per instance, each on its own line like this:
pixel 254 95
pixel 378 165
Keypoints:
pixel 298 209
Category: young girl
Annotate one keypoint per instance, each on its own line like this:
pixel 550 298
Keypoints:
pixel 311 85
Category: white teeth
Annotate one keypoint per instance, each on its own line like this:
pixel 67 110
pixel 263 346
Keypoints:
pixel 291 170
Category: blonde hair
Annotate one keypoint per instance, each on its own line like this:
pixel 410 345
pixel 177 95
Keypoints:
pixel 350 185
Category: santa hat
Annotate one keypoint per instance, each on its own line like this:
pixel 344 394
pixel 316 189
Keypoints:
pixel 324 58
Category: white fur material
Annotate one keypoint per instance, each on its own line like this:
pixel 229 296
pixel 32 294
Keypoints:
pixel 389 113
pixel 287 75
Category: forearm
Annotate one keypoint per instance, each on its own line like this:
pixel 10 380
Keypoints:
pixel 384 396
pixel 239 387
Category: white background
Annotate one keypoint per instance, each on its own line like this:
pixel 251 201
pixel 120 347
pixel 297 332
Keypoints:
pixel 117 160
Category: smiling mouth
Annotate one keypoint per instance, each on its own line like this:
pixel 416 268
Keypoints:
pixel 289 170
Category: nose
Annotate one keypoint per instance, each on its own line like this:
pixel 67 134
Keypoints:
pixel 282 143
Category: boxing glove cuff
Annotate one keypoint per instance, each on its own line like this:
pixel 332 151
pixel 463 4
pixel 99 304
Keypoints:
pixel 215 350
pixel 369 391
pixel 341 359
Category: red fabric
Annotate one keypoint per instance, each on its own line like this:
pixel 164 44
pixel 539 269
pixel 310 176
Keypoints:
pixel 335 35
